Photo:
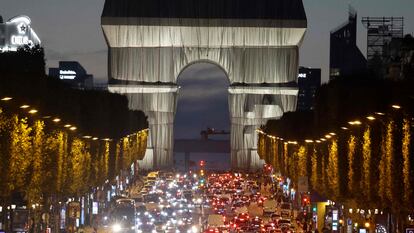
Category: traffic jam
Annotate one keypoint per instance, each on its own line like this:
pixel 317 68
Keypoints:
pixel 247 203
pixel 198 202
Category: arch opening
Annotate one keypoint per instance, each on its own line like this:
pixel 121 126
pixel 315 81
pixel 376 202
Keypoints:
pixel 202 103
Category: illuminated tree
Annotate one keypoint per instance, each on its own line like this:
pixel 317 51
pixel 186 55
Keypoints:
pixel 78 162
pixel 302 163
pixel 332 169
pixel 406 161
pixel 366 167
pixel 389 160
pixel 20 153
pixel 314 161
pixel 382 171
pixel 34 189
pixel 351 158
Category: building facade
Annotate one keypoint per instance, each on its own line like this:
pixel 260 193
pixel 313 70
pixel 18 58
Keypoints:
pixel 309 80
pixel 72 73
pixel 17 32
pixel 345 57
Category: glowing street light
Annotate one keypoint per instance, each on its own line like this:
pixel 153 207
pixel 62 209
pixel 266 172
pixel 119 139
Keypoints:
pixel 380 113
pixel 355 122
pixel 328 136
pixel 56 120
pixel 24 106
pixel 332 134
pixel 309 141
pixel 6 98
pixel 318 141
pixel 73 128
pixel 87 137
pixel 95 138
pixel 33 111
pixel 371 118
pixel 344 128
pixel 67 126
pixel 396 106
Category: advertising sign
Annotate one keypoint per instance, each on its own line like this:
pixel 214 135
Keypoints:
pixel 95 207
pixel 74 209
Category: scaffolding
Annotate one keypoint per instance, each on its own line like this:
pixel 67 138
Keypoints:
pixel 381 30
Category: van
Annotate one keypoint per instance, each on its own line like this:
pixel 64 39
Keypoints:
pixel 269 207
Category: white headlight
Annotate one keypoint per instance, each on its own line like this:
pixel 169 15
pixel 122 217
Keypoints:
pixel 116 228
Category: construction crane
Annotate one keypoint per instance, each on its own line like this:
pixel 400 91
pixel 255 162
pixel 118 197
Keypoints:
pixel 211 131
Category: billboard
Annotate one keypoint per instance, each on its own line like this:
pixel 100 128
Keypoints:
pixel 17 32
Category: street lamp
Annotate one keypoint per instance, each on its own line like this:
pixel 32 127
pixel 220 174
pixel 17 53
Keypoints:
pixel 6 98
pixel 56 120
pixel 371 118
pixel 396 106
pixel 24 106
pixel 33 111
pixel 67 126
pixel 73 128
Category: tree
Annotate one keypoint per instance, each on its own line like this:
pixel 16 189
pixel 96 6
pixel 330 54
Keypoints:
pixel 34 189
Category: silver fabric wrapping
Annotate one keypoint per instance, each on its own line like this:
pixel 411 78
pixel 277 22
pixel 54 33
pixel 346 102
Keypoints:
pixel 252 52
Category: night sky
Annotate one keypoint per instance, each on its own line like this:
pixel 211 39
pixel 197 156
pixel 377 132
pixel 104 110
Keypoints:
pixel 70 30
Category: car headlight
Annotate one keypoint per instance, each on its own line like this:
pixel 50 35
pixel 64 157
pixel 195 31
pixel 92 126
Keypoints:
pixel 194 229
pixel 116 227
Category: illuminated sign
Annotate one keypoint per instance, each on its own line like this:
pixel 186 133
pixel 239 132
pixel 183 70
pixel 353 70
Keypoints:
pixel 17 33
pixel 67 74
pixel 95 207
pixel 302 75
pixel 20 40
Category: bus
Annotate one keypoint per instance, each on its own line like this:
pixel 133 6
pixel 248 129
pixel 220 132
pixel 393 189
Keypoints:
pixel 123 216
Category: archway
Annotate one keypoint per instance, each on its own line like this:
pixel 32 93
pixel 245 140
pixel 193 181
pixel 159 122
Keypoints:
pixel 151 42
pixel 202 103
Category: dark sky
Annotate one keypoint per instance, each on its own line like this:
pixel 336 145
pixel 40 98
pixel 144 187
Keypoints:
pixel 70 30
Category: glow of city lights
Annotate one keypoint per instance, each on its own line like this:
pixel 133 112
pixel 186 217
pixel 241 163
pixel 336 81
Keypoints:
pixel 323 139
pixel 318 141
pixel 106 139
pixel 309 141
pixel 56 120
pixel 380 113
pixel 367 224
pixel 95 138
pixel 7 99
pixel 371 118
pixel 396 106
pixel 344 128
pixel 33 111
pixel 73 128
pixel 87 137
pixel 333 134
pixel 24 106
pixel 328 136
pixel 68 126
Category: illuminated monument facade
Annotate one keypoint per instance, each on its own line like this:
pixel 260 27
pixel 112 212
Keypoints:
pixel 17 32
pixel 256 43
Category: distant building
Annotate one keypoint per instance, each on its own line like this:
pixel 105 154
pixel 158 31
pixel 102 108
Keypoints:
pixel 309 81
pixel 399 58
pixel 72 73
pixel 345 57
pixel 17 32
